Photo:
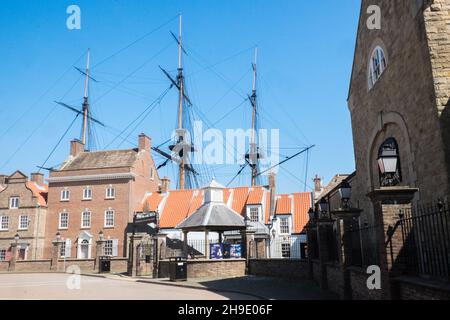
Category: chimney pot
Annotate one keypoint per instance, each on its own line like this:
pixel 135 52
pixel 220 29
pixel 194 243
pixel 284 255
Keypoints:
pixel 165 185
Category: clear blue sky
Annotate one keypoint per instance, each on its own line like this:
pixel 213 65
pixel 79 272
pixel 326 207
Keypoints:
pixel 305 58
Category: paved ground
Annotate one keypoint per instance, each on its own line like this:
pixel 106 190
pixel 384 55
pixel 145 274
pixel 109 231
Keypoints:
pixel 264 287
pixel 57 286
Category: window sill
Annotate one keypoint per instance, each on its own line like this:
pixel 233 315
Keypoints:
pixel 22 229
pixel 85 228
pixel 86 199
pixel 109 227
pixel 4 230
pixel 65 228
pixel 110 198
pixel 64 200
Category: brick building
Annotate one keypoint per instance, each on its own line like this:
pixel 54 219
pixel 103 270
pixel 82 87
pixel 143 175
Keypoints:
pixel 23 209
pixel 98 191
pixel 399 94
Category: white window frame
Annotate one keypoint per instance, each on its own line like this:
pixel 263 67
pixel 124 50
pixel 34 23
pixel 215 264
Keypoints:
pixel 27 221
pixel 283 226
pixel 110 194
pixel 2 254
pixel 65 194
pixel 60 226
pixel 87 193
pixel 109 211
pixel 2 223
pixel 251 211
pixel 83 226
pixel 14 203
pixel 108 248
pixel 283 244
pixel 377 65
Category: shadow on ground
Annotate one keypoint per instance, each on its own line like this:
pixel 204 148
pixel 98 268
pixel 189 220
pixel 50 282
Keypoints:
pixel 271 288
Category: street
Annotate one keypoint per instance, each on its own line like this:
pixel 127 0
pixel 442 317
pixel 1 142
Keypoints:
pixel 47 286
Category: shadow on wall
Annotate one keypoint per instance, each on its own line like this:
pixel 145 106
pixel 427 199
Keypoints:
pixel 445 129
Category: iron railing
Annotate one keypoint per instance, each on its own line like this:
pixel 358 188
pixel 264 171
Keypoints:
pixel 426 241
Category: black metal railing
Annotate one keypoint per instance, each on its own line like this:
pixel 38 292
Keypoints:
pixel 426 241
pixel 361 240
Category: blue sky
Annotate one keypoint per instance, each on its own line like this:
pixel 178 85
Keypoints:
pixel 305 58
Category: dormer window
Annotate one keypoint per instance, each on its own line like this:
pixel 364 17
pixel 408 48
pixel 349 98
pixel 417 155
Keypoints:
pixel 378 64
pixel 65 194
pixel 14 203
pixel 254 214
pixel 87 193
pixel 110 192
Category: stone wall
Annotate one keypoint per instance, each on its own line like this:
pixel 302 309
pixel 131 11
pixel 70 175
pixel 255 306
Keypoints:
pixel 358 282
pixel 4 266
pixel 279 268
pixel 32 266
pixel 410 288
pixel 335 278
pixel 204 268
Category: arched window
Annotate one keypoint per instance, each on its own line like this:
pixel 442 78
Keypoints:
pixel 378 64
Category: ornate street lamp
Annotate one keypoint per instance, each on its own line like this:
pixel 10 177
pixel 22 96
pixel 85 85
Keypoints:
pixel 323 208
pixel 388 163
pixel 58 236
pixel 311 214
pixel 345 191
pixel 101 236
pixel 16 238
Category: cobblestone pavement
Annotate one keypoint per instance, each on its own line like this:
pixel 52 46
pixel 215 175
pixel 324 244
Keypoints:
pixel 42 286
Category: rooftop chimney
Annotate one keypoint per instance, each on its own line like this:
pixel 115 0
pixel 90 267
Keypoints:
pixel 165 185
pixel 38 178
pixel 145 143
pixel 76 147
pixel 3 179
pixel 273 191
pixel 317 184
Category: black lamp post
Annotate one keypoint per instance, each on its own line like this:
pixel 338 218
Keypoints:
pixel 345 192
pixel 388 163
pixel 323 208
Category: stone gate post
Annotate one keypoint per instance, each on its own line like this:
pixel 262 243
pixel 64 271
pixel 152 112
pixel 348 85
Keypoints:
pixel 387 203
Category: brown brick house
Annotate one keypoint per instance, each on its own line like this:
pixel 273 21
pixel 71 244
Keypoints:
pixel 23 209
pixel 98 191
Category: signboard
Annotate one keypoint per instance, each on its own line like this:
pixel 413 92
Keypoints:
pixel 146 217
pixel 235 251
pixel 216 251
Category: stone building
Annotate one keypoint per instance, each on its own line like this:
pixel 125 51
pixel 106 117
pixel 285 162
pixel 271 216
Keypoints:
pixel 98 191
pixel 23 210
pixel 399 96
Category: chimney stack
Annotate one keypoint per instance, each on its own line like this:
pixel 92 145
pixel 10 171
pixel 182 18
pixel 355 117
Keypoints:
pixel 3 180
pixel 76 147
pixel 273 192
pixel 38 178
pixel 145 143
pixel 317 184
pixel 165 185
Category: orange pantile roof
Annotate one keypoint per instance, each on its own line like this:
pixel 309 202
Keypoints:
pixel 240 196
pixel 39 191
pixel 176 208
pixel 177 205
pixel 283 204
pixel 302 204
pixel 152 202
pixel 255 196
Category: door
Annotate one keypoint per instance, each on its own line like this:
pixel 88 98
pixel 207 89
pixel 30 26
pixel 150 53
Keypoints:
pixel 84 249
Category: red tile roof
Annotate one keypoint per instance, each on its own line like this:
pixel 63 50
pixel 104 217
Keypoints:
pixel 283 204
pixel 176 208
pixel 302 204
pixel 39 191
pixel 180 204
